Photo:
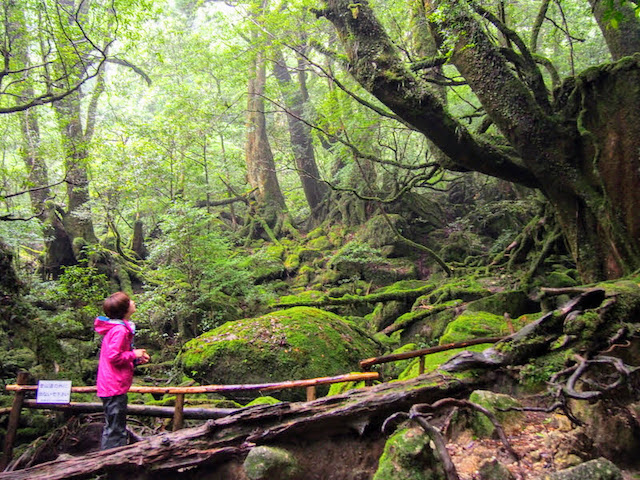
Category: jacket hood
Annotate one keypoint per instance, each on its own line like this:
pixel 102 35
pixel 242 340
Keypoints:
pixel 102 325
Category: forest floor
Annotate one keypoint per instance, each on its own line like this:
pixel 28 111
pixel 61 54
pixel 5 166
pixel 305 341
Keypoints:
pixel 545 443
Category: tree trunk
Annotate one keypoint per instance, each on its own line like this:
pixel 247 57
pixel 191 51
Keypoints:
pixel 261 169
pixel 76 147
pixel 573 152
pixel 300 135
pixel 623 37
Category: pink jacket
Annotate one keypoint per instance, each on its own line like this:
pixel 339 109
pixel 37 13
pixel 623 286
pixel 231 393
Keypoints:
pixel 115 368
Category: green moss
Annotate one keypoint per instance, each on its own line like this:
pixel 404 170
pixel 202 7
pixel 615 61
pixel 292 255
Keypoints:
pixel 292 262
pixel 559 280
pixel 265 400
pixel 321 243
pixel 318 232
pixel 408 456
pixel 465 289
pixel 302 297
pixel 270 462
pixel 470 325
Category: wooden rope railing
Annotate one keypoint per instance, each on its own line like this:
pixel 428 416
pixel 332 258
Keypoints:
pixel 370 362
pixel 178 411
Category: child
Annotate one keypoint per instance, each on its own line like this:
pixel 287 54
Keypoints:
pixel 115 368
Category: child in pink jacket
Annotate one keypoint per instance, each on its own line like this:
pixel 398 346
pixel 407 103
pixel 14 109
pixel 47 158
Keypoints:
pixel 115 368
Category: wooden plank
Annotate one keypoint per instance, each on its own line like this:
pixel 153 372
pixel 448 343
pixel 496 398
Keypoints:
pixel 311 393
pixel 178 414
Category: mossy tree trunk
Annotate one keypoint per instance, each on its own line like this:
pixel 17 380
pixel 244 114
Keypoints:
pixel 579 146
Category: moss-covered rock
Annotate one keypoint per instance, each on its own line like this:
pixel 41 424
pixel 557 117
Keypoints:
pixel 598 469
pixel 559 280
pixel 470 325
pixel 361 261
pixel 492 469
pixel 496 403
pixel 264 400
pixel 408 456
pixel 394 369
pixel 292 344
pixel 515 303
pixel 268 463
pixel 321 243
pixel 465 289
pixel 428 323
pixel 380 235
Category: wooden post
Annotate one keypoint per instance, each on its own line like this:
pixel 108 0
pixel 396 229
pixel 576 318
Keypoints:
pixel 178 414
pixel 421 365
pixel 311 393
pixel 14 421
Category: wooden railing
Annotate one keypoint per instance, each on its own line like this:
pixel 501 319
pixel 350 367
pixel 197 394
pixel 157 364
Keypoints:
pixel 178 411
pixel 370 362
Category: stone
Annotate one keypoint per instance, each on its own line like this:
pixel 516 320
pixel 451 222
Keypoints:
pixel 492 469
pixel 598 469
pixel 268 463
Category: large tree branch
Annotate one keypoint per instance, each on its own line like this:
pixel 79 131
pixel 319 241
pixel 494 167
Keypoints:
pixel 376 64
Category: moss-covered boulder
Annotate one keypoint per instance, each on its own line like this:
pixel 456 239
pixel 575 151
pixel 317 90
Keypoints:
pixel 292 344
pixel 516 303
pixel 470 325
pixel 598 469
pixel 267 463
pixel 492 469
pixel 359 260
pixel 408 456
pixel 466 289
pixel 379 234
pixel 497 403
pixel 268 264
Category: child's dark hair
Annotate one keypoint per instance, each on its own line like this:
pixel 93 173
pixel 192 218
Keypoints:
pixel 116 305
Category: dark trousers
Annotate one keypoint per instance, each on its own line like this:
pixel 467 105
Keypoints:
pixel 114 433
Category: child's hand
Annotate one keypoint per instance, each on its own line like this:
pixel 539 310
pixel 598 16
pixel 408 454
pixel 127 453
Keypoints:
pixel 141 355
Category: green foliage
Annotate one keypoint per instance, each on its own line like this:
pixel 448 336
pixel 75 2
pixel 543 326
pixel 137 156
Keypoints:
pixel 82 285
